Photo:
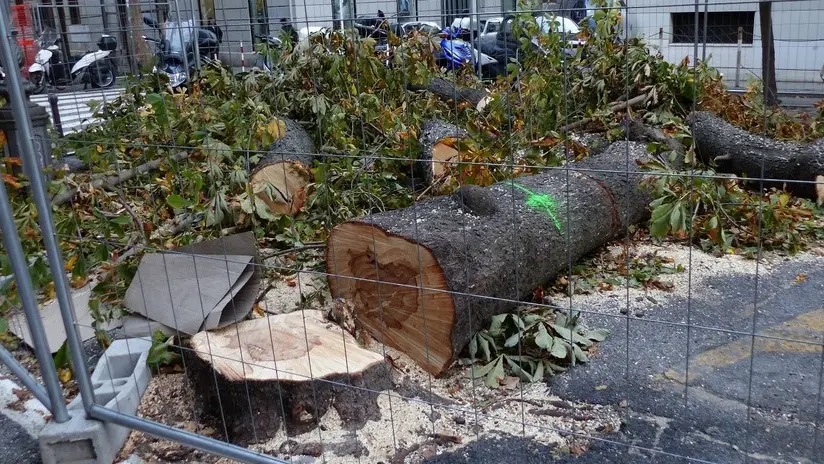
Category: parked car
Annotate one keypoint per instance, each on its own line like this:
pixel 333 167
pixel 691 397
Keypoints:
pixel 487 26
pixel 426 27
pixel 505 44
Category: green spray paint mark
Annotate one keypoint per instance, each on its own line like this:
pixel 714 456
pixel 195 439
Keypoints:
pixel 541 202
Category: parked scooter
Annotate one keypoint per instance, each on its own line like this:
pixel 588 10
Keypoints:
pixel 95 68
pixel 270 46
pixel 176 56
pixel 456 52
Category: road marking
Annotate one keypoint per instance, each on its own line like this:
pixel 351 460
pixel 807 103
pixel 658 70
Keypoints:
pixel 799 335
pixel 73 107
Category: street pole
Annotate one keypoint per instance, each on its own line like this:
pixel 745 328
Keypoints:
pixel 475 34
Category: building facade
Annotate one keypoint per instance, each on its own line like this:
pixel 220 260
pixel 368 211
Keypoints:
pixel 799 37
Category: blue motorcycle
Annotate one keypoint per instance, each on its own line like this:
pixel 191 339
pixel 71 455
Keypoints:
pixel 455 52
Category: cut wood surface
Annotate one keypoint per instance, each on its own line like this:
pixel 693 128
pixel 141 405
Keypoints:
pixel 424 279
pixel 281 177
pixel 794 166
pixel 289 369
pixel 438 150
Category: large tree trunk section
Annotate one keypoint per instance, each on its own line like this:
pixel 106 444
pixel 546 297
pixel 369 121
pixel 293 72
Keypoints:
pixel 256 375
pixel 438 150
pixel 424 279
pixel 478 98
pixel 281 177
pixel 739 152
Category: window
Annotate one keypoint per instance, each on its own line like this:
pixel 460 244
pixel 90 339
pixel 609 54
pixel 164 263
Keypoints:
pixel 74 12
pixel 722 27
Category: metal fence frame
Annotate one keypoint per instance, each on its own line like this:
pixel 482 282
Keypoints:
pixel 50 394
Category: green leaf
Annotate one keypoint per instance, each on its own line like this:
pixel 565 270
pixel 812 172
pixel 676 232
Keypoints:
pixel 154 98
pixel 559 349
pixel 570 335
pixel 496 374
pixel 175 201
pixel 675 217
pixel 484 343
pixel 579 354
pixel 598 335
pixel 552 367
pixel 4 325
pixel 518 370
pixel 61 358
pixel 513 340
pixel 122 220
pixel 477 372
pixel 543 339
pixel 496 324
pixel 538 375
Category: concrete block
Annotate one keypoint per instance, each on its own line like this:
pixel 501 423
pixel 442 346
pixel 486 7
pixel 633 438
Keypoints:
pixel 119 380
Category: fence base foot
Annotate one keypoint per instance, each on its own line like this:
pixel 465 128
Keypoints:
pixel 120 379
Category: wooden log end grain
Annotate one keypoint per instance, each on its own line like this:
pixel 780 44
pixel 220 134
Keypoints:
pixel 284 370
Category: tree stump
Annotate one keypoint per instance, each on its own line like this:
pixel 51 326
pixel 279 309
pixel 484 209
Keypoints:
pixel 424 279
pixel 286 370
pixel 281 177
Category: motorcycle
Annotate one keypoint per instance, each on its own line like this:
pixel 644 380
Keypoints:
pixel 176 51
pixel 95 68
pixel 456 52
pixel 270 45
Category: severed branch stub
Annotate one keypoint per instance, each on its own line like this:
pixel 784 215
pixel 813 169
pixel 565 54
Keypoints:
pixel 438 150
pixel 281 177
pixel 424 279
pixel 294 368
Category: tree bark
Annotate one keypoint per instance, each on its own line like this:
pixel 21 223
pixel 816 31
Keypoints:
pixel 427 277
pixel 281 177
pixel 794 166
pixel 451 92
pixel 140 48
pixel 285 370
pixel 767 54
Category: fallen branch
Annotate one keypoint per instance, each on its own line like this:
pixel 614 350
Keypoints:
pixel 631 103
pixel 108 182
pixel 561 413
pixel 479 98
pixel 437 439
pixel 639 132
pixel 137 222
pixel 796 167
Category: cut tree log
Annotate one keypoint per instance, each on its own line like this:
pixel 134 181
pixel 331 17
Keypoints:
pixel 438 150
pixel 424 279
pixel 478 98
pixel 797 167
pixel 281 177
pixel 287 369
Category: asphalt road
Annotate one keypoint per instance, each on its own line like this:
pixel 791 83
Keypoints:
pixel 643 366
pixel 16 445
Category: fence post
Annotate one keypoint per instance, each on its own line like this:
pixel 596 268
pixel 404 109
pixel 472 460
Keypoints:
pixel 11 241
pixel 661 40
pixel 53 253
pixel 55 110
pixel 738 58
